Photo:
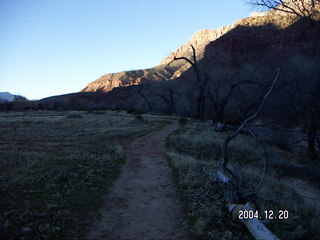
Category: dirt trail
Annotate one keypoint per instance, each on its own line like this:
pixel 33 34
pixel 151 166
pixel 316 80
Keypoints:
pixel 143 204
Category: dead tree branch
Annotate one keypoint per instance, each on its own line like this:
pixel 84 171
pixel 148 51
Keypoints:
pixel 306 11
pixel 264 169
pixel 224 150
pixel 144 97
pixel 202 84
pixel 257 229
pixel 166 93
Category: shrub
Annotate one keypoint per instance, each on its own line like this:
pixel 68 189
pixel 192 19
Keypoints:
pixel 183 121
pixel 130 111
pixel 138 118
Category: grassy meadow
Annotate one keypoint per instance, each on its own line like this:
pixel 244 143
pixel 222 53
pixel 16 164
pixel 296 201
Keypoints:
pixel 193 152
pixel 55 168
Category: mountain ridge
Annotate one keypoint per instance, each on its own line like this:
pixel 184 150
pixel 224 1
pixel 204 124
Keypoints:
pixel 200 39
pixel 6 96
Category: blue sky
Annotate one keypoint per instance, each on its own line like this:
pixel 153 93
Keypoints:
pixel 51 47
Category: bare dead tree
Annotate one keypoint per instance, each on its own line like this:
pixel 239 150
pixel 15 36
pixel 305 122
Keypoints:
pixel 202 82
pixel 256 227
pixel 220 101
pixel 144 97
pixel 302 97
pixel 166 93
pixel 224 147
pixel 307 10
pixel 311 106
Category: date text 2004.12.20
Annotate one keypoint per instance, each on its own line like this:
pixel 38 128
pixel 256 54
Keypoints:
pixel 267 214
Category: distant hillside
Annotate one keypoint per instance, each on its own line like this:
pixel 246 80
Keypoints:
pixel 199 40
pixel 123 79
pixel 250 50
pixel 6 96
pixel 10 101
pixel 161 72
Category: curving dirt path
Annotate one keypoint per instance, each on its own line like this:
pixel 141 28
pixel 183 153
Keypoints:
pixel 143 204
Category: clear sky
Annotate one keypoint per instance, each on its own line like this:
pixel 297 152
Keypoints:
pixel 51 47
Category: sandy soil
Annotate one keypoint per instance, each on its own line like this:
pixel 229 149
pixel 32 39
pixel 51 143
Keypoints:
pixel 143 203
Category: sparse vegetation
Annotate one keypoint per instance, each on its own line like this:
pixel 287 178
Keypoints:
pixel 183 120
pixel 194 150
pixel 55 167
pixel 138 118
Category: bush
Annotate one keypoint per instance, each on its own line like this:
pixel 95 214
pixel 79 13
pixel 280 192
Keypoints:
pixel 130 111
pixel 74 116
pixel 138 118
pixel 183 121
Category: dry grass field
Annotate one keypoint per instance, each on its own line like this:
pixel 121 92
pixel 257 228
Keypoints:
pixel 55 168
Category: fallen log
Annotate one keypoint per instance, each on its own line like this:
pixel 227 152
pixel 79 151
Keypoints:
pixel 257 229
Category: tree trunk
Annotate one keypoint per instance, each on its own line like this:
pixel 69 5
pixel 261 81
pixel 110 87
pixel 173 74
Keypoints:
pixel 220 119
pixel 203 108
pixel 200 107
pixel 145 99
pixel 312 141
